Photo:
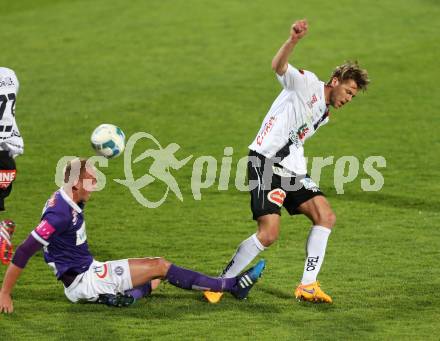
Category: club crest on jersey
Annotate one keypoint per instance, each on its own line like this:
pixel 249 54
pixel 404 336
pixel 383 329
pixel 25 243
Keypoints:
pixel 297 137
pixel 119 270
pixel 302 131
pixel 276 196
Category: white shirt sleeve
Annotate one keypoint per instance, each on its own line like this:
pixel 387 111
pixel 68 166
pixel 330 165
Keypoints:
pixel 294 79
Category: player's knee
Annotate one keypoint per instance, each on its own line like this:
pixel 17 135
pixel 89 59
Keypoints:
pixel 327 219
pixel 268 229
pixel 270 239
pixel 268 236
pixel 331 217
pixel 159 265
pixel 162 265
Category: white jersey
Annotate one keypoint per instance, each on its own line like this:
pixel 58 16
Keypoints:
pixel 295 115
pixel 10 138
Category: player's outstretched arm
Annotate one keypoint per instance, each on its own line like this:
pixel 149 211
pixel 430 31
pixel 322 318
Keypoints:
pixel 12 274
pixel 297 31
pixel 22 255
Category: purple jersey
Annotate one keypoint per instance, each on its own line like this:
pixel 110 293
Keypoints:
pixel 62 231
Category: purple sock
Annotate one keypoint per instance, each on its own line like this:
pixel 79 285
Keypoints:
pixel 187 279
pixel 140 291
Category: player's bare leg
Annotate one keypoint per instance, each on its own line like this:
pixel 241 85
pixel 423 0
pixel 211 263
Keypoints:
pixel 267 234
pixel 146 271
pixel 318 210
pixel 143 270
pixel 268 229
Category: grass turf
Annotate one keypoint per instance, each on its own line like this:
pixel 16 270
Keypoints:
pixel 198 73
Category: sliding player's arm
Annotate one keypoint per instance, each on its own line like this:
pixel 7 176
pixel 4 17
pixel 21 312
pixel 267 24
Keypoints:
pixel 11 277
pixel 22 255
pixel 280 61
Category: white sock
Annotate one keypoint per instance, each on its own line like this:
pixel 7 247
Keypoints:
pixel 316 244
pixel 246 252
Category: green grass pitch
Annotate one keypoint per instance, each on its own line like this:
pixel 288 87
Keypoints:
pixel 198 73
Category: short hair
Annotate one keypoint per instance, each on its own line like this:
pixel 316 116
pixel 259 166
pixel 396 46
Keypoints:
pixel 72 168
pixel 352 70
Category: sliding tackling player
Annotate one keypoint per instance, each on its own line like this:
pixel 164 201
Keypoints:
pixel 62 233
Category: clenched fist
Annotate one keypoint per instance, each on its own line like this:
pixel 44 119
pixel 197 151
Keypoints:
pixel 298 30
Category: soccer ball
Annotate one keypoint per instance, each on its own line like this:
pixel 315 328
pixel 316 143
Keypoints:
pixel 108 140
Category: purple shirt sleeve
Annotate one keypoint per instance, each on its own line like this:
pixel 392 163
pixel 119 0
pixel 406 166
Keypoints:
pixel 25 251
pixel 59 220
pixel 51 224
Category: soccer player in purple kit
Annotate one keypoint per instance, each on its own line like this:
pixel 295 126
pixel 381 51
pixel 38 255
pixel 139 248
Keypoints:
pixel 62 234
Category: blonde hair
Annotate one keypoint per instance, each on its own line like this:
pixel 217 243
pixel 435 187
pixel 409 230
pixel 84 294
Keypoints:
pixel 76 167
pixel 352 70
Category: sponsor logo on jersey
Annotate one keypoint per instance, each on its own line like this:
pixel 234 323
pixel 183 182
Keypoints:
pixel 266 130
pixel 294 138
pixel 44 229
pixel 277 196
pixel 312 101
pixel 81 235
pixel 6 177
pixel 7 81
pixel 74 217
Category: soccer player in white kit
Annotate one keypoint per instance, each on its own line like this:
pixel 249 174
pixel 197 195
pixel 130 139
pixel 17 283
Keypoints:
pixel 277 168
pixel 11 142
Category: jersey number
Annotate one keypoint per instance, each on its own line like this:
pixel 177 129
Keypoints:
pixel 4 99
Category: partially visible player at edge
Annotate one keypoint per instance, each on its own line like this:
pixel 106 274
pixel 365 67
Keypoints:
pixel 62 233
pixel 11 145
pixel 295 115
pixel 11 142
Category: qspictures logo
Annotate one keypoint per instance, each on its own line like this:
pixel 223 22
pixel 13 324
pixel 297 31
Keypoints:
pixel 160 164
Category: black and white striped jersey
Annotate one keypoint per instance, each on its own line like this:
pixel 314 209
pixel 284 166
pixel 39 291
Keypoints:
pixel 295 115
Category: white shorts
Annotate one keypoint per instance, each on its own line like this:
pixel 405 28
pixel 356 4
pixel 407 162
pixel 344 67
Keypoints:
pixel 102 278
